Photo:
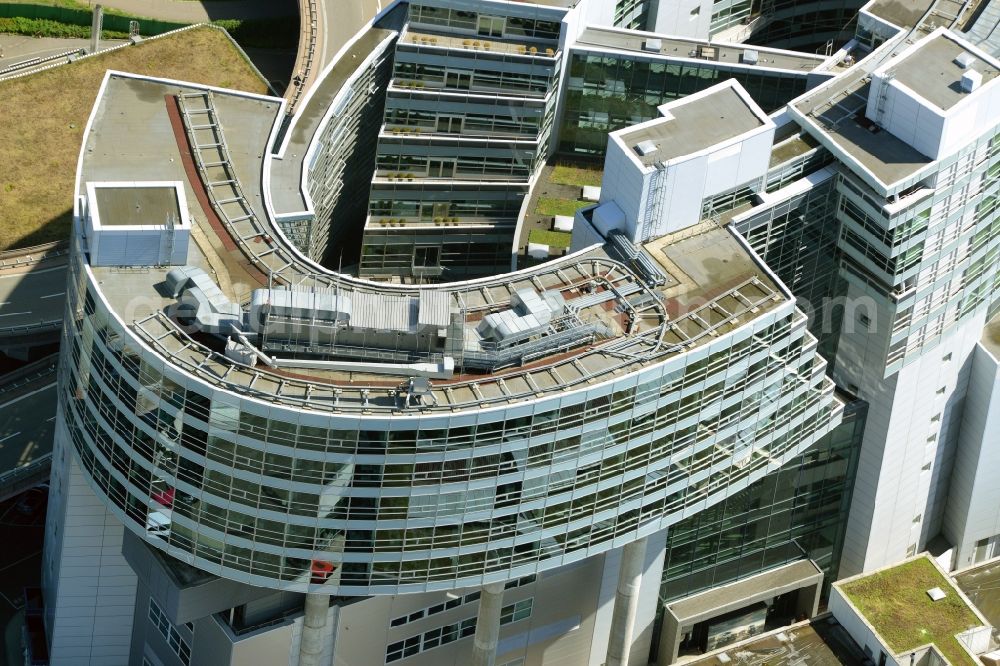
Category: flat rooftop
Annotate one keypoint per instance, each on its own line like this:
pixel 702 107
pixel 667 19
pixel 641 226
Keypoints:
pixel 991 338
pixel 728 55
pixel 423 37
pixel 137 206
pixel 708 265
pixel 814 643
pixel 838 108
pixel 714 284
pixel 692 125
pixel 894 601
pixel 982 585
pixel 788 149
pixel 902 13
pixel 932 72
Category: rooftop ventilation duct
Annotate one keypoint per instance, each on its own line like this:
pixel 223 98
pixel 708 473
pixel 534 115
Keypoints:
pixel 530 314
pixel 201 301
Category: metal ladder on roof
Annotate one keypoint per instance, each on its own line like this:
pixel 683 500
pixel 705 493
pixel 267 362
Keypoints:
pixel 883 94
pixel 199 115
pixel 654 204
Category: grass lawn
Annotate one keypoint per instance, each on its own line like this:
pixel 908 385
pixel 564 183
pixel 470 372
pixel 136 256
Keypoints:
pixel 566 174
pixel 44 116
pixel 556 239
pixel 68 4
pixel 895 602
pixel 554 206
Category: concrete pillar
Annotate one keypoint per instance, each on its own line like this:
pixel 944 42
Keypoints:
pixel 807 601
pixel 96 23
pixel 626 603
pixel 313 629
pixel 484 645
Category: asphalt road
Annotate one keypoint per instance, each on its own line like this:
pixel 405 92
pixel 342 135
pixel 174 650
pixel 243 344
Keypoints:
pixel 27 423
pixel 339 20
pixel 32 294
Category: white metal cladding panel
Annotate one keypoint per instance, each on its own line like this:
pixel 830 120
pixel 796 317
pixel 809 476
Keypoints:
pixel 856 626
pixel 93 609
pixel 381 312
pixel 907 428
pixel 115 248
pixel 625 184
pixel 974 494
pixel 684 191
pixel 435 308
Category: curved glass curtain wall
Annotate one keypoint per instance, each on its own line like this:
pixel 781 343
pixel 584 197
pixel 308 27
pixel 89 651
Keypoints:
pixel 262 493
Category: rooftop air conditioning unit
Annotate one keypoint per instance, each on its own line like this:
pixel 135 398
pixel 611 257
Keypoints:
pixel 971 80
pixel 965 60
pixel 652 44
pixel 750 56
pixel 645 148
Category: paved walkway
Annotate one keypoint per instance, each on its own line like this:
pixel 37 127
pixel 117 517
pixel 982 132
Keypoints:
pixel 195 11
pixel 18 48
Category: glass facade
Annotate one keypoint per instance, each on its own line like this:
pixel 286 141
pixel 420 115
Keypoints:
pixel 607 92
pixel 727 13
pixel 798 511
pixel 806 26
pixel 467 123
pixel 263 492
pixel 632 14
pixel 797 238
pixel 341 167
pixel 484 24
pixel 449 252
pixel 935 255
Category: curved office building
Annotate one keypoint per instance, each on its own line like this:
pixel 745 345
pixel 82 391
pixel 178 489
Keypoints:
pixel 420 438
pixel 262 419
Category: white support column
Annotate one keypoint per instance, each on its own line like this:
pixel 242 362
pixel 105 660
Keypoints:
pixel 313 629
pixel 626 603
pixel 484 645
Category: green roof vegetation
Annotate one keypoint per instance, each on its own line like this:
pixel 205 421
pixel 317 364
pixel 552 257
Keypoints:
pixel 557 206
pixel 41 148
pixel 896 604
pixel 568 174
pixel 557 239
